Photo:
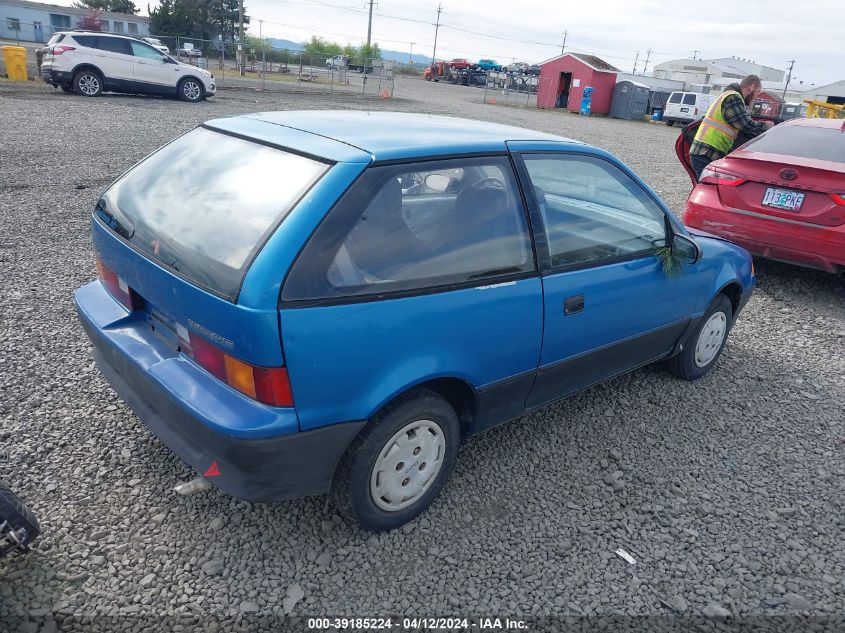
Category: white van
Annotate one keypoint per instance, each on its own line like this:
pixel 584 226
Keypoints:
pixel 686 107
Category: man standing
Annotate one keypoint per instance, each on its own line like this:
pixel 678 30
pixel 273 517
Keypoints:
pixel 726 119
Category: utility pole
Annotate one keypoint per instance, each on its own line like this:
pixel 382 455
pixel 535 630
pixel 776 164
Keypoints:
pixel 648 57
pixel 370 26
pixel 411 55
pixel 263 52
pixel 636 59
pixel 788 77
pixel 562 46
pixel 695 53
pixel 241 51
pixel 436 29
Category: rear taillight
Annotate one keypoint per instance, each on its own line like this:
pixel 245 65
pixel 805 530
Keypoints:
pixel 838 198
pixel 58 50
pixel 268 385
pixel 117 287
pixel 712 176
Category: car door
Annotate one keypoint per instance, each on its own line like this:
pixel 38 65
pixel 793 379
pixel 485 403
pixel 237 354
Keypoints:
pixel 113 56
pixel 609 305
pixel 423 271
pixel 152 68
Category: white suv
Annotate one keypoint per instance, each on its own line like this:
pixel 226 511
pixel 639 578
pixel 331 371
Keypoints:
pixel 88 63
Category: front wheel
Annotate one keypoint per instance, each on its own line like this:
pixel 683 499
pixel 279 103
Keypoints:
pixel 191 90
pixel 704 347
pixel 397 465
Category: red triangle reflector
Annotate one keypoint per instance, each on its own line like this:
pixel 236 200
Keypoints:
pixel 212 471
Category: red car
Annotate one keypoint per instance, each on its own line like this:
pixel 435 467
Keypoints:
pixel 460 64
pixel 781 195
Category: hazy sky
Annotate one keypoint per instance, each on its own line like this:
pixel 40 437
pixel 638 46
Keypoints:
pixel 771 32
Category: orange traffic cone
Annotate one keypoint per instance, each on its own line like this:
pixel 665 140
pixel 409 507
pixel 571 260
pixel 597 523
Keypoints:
pixel 492 100
pixel 385 94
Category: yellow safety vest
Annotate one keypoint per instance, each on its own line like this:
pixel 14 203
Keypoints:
pixel 714 130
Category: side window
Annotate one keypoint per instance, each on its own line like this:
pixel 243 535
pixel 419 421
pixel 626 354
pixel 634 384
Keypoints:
pixel 592 210
pixel 145 51
pixel 675 97
pixel 115 45
pixel 415 226
pixel 91 41
pixel 689 99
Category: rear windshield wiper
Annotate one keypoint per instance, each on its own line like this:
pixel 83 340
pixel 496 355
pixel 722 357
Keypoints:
pixel 120 225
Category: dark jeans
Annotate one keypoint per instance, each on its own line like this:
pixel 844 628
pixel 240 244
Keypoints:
pixel 698 163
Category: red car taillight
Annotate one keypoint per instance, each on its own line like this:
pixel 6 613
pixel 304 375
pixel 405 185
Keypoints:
pixel 711 176
pixel 838 198
pixel 268 385
pixel 58 50
pixel 117 287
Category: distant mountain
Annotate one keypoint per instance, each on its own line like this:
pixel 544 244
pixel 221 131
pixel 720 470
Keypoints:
pixel 397 56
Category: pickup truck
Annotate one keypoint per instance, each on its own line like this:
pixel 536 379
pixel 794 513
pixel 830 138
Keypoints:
pixel 339 62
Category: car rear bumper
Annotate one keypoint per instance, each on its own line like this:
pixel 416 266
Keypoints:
pixel 179 403
pixel 55 77
pixel 792 241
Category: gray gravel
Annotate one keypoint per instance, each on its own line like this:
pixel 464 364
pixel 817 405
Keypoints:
pixel 728 492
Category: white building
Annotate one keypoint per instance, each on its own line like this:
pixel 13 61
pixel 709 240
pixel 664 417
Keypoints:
pixel 654 84
pixel 689 71
pixel 25 21
pixel 831 93
pixel 743 67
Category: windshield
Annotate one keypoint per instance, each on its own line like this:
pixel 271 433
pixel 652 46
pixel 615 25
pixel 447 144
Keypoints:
pixel 205 203
pixel 798 140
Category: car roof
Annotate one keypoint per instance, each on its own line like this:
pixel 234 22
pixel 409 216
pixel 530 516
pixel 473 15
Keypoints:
pixel 814 122
pixel 358 136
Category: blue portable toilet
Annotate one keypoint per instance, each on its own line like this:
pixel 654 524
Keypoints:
pixel 586 100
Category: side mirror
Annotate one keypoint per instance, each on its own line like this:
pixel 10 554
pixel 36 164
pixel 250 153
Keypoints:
pixel 437 182
pixel 685 250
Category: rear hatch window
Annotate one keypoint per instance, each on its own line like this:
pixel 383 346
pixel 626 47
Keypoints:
pixel 203 205
pixel 676 97
pixel 803 141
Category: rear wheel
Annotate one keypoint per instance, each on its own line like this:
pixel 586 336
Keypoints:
pixel 66 88
pixel 88 83
pixel 18 526
pixel 670 123
pixel 191 90
pixel 704 347
pixel 397 465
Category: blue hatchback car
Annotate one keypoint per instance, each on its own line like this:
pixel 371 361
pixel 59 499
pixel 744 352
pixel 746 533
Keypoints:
pixel 307 302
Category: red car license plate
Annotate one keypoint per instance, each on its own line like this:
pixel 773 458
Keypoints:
pixel 783 199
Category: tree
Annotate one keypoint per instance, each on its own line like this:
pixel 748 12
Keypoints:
pixel 171 17
pixel 90 22
pixel 115 6
pixel 369 51
pixel 200 19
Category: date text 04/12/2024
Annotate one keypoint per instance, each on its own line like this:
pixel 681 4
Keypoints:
pixel 416 624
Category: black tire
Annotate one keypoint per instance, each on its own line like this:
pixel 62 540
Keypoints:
pixel 18 515
pixel 191 90
pixel 88 83
pixel 685 365
pixel 670 123
pixel 67 89
pixel 354 478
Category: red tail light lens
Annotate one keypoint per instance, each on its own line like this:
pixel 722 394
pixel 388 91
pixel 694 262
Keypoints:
pixel 117 287
pixel 58 50
pixel 268 385
pixel 712 176
pixel 838 198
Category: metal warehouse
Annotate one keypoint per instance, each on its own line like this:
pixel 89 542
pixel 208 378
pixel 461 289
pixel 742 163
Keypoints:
pixel 563 79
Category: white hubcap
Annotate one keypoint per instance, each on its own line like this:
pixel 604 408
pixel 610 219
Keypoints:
pixel 407 465
pixel 710 339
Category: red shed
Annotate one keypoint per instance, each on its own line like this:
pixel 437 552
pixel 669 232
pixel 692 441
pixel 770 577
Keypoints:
pixel 563 79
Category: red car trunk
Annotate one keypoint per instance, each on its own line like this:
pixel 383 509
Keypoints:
pixel 813 181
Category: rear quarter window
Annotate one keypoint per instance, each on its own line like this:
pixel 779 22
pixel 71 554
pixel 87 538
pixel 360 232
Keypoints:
pixel 798 140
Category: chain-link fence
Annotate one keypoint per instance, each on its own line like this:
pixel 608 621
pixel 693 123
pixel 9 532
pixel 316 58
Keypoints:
pixel 278 69
pixel 511 89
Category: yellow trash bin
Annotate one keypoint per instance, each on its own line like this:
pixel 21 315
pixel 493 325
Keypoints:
pixel 15 59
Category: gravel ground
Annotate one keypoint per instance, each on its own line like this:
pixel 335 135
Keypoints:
pixel 729 491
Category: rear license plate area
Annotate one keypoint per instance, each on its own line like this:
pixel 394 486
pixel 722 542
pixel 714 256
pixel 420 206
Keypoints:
pixel 783 199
